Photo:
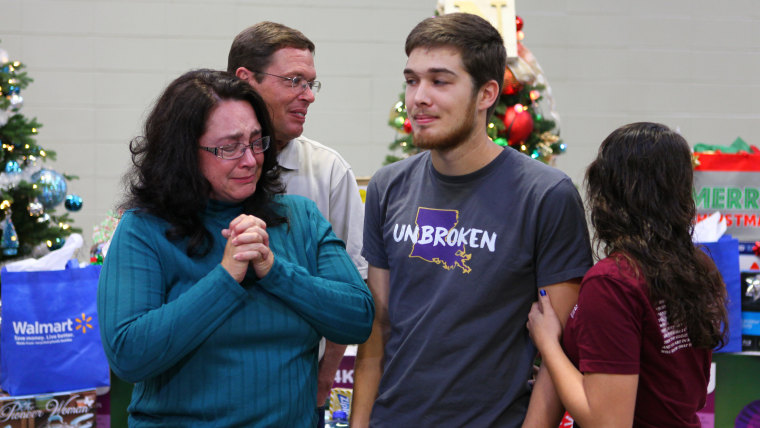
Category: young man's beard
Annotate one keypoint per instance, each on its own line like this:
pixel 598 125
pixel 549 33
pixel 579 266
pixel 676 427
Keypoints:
pixel 454 137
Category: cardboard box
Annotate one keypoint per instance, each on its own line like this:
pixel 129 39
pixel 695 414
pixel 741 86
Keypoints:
pixel 75 409
pixel 749 265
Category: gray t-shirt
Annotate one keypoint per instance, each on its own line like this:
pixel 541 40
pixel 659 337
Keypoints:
pixel 466 256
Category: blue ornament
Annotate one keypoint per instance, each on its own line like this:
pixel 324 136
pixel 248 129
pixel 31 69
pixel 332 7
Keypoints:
pixel 9 242
pixel 73 202
pixel 56 243
pixel 12 167
pixel 52 186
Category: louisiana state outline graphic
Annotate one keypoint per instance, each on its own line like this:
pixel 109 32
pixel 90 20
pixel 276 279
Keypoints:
pixel 436 238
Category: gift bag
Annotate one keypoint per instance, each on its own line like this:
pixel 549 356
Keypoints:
pixel 50 337
pixel 725 254
pixel 730 183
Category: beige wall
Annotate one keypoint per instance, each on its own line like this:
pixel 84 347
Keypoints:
pixel 98 65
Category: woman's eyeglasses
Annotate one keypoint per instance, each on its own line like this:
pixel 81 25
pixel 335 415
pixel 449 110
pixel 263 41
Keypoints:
pixel 237 150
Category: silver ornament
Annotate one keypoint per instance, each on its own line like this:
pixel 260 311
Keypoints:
pixel 17 101
pixel 753 288
pixel 35 208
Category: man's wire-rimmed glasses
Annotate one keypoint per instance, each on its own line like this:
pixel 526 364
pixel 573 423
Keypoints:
pixel 299 82
pixel 237 150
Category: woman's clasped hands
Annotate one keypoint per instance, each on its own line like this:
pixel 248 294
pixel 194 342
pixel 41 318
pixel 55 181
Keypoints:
pixel 247 245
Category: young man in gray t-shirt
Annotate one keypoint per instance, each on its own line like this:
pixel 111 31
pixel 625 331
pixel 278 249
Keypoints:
pixel 459 240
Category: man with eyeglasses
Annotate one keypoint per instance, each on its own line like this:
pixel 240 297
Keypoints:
pixel 278 62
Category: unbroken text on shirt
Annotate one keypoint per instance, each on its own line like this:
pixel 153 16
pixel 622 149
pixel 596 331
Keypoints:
pixel 475 238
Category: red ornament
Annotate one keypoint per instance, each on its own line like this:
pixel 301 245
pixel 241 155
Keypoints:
pixel 518 23
pixel 511 85
pixel 756 248
pixel 518 123
pixel 407 126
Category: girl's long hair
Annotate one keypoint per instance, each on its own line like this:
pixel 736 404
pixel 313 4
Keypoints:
pixel 639 191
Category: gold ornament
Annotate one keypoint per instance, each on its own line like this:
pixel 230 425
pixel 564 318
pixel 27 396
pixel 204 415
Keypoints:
pixel 548 138
pixel 695 160
pixel 545 150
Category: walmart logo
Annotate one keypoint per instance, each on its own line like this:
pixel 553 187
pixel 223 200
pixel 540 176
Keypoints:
pixel 83 323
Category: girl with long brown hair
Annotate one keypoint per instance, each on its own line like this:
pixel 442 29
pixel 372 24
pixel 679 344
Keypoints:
pixel 638 345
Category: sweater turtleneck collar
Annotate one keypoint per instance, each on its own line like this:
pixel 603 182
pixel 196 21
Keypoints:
pixel 222 207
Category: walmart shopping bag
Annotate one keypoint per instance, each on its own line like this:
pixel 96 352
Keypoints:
pixel 50 337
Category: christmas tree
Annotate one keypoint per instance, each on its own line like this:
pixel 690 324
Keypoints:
pixel 28 192
pixel 524 118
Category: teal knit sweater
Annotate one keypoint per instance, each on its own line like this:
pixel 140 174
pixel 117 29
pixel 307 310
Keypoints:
pixel 205 350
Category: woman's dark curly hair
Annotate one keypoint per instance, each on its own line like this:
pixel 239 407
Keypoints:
pixel 639 191
pixel 165 179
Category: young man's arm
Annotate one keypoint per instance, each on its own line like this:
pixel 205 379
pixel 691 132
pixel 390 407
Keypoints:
pixel 369 358
pixel 545 408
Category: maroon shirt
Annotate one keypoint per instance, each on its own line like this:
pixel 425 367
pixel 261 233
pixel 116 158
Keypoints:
pixel 614 329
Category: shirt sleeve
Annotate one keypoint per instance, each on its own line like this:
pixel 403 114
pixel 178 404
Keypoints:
pixel 143 335
pixel 563 250
pixel 609 326
pixel 347 217
pixel 374 248
pixel 336 284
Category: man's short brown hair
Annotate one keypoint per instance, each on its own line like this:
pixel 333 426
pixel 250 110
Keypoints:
pixel 478 42
pixel 253 47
